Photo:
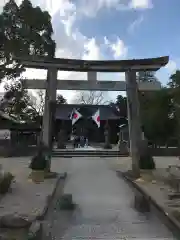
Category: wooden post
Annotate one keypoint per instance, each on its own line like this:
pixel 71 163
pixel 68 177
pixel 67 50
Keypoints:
pixel 133 120
pixel 50 99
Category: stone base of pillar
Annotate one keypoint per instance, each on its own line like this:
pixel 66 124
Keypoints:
pixel 61 139
pixel 143 147
pixel 107 146
pixel 146 160
pixel 61 146
pixel 123 147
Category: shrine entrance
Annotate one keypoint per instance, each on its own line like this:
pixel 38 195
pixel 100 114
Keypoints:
pixel 131 86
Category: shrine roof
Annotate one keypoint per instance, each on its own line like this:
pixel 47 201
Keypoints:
pixel 107 112
pixel 8 117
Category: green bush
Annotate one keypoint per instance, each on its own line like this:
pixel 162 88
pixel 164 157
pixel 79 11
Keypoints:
pixel 5 182
pixel 38 162
pixel 147 162
pixel 176 214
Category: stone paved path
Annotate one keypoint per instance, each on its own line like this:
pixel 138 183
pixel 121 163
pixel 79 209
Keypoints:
pixel 105 207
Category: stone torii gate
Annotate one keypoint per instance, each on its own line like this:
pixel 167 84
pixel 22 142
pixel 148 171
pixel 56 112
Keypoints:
pixel 130 67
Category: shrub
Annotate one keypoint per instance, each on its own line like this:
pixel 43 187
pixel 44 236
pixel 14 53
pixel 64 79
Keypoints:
pixel 176 214
pixel 5 182
pixel 38 162
pixel 147 162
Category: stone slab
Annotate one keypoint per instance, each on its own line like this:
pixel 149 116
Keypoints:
pixel 26 199
pixel 35 231
pixel 157 194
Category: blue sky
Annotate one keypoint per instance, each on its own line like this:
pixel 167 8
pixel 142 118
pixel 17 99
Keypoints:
pixel 149 32
pixel 113 29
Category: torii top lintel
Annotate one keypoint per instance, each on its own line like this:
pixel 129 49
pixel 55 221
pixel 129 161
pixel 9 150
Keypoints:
pixel 148 64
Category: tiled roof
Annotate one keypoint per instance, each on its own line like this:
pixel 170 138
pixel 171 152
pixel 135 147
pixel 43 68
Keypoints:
pixel 63 111
pixel 8 117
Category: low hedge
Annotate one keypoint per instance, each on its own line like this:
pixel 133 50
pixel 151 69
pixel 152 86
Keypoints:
pixel 147 162
pixel 5 182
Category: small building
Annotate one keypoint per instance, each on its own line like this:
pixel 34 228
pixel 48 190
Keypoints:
pixel 15 131
pixel 108 113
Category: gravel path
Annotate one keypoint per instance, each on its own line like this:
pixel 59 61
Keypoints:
pixel 105 207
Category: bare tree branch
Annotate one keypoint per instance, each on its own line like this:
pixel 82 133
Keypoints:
pixel 91 98
pixel 39 102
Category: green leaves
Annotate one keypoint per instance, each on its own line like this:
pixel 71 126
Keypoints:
pixel 174 84
pixel 21 102
pixel 156 108
pixel 121 103
pixel 60 99
pixel 24 30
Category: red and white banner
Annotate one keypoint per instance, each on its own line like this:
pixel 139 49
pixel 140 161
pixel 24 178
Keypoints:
pixel 75 116
pixel 96 118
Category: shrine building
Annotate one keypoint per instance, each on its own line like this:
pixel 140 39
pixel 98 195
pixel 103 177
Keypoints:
pixel 108 113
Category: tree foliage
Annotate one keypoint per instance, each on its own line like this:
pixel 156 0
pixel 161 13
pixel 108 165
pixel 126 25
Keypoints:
pixel 156 108
pixel 147 76
pixel 39 101
pixel 60 99
pixel 174 85
pixel 121 103
pixel 24 30
pixel 22 102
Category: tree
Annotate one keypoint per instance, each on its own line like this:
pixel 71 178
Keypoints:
pixel 90 97
pixel 174 90
pixel 147 76
pixel 21 104
pixel 60 99
pixel 24 31
pixel 156 109
pixel 39 101
pixel 174 82
pixel 121 103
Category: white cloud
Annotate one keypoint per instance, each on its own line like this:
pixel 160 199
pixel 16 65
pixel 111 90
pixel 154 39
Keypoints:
pixel 92 50
pixel 91 8
pixel 134 25
pixel 171 66
pixel 118 47
pixel 71 43
pixel 141 4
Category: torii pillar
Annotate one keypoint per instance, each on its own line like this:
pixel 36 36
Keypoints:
pixel 50 104
pixel 134 120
